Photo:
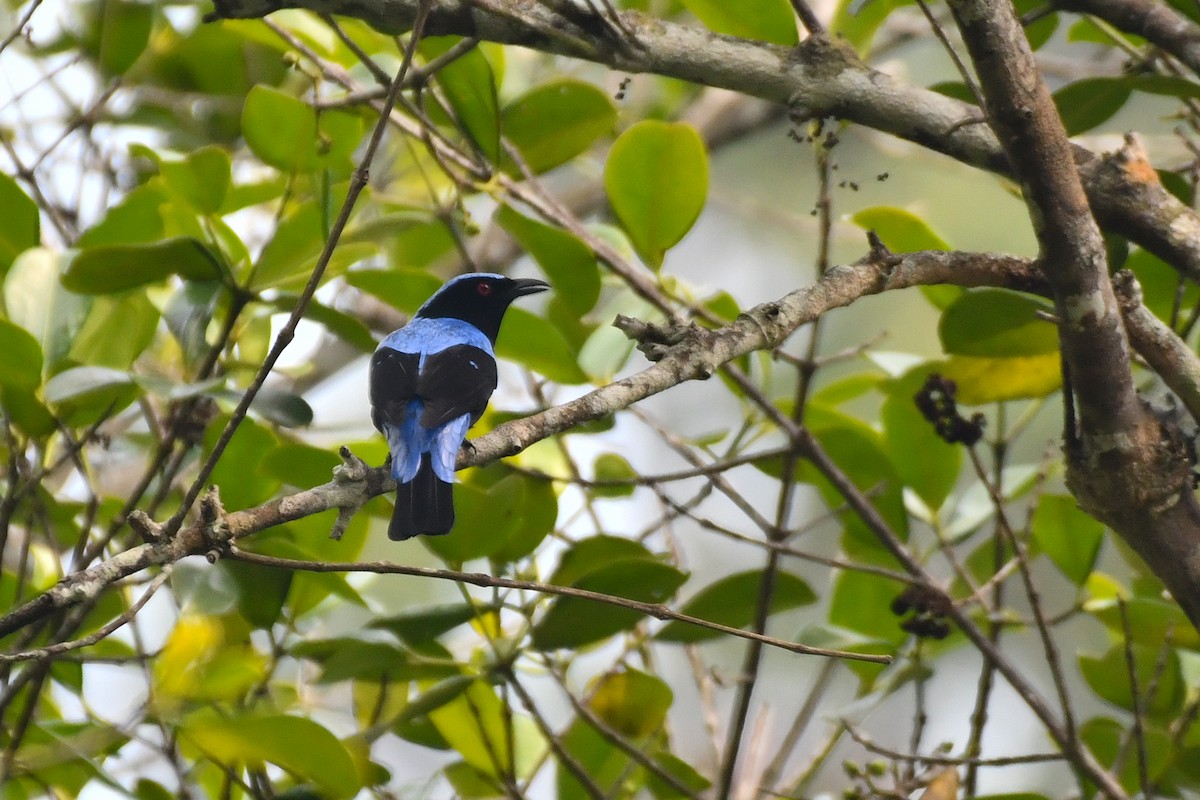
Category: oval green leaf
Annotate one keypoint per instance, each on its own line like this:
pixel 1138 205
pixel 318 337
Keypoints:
pixel 19 225
pixel 568 262
pixel 83 394
pixel 997 323
pixel 297 745
pixel 1090 102
pixel 766 20
pixel 21 366
pixel 536 343
pixel 632 702
pixel 575 622
pixel 731 601
pixel 557 121
pixel 115 268
pixel 657 182
pixel 1067 535
pixel 288 134
pixel 470 88
pixel 35 299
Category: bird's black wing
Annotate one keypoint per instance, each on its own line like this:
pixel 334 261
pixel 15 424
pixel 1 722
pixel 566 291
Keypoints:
pixel 393 379
pixel 456 381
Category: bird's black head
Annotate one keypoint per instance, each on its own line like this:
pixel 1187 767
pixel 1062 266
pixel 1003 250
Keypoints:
pixel 479 298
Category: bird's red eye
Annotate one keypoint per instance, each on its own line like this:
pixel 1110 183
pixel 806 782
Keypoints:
pixel 484 289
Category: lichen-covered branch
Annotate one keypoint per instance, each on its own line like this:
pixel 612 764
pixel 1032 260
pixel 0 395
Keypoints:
pixel 1127 465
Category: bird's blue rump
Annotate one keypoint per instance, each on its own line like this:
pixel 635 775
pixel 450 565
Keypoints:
pixel 429 382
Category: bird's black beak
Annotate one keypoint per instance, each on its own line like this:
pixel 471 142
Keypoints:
pixel 524 286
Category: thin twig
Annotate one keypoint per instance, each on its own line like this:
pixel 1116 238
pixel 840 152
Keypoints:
pixel 656 610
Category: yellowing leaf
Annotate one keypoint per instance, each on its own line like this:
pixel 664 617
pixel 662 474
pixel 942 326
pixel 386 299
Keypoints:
pixel 990 380
pixel 191 645
pixel 300 746
pixel 632 702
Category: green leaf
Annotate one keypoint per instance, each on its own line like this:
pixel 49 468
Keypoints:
pixel 117 330
pixel 861 453
pixel 731 601
pixel 20 227
pixel 765 20
pixel 473 724
pixel 683 773
pixel 295 744
pixel 860 602
pixel 188 314
pixel 536 343
pixel 1160 283
pixel 594 552
pixel 1041 30
pixel 405 289
pixel 346 658
pixel 106 269
pixel 136 219
pixel 1108 676
pixel 554 122
pixel 906 432
pixel 857 21
pixel 657 182
pixel 468 782
pixel 202 178
pixel 348 328
pixel 291 136
pixel 901 231
pixel 240 487
pixel 537 510
pixel 997 323
pixel 1152 620
pixel 605 766
pixel 485 519
pixel 287 261
pixel 1090 102
pixel 284 408
pixel 261 591
pixel 612 467
pixel 566 260
pixel 470 88
pixel 426 624
pixel 118 34
pixel 991 380
pixel 574 622
pixel 301 465
pixel 36 300
pixel 81 395
pixel 1109 741
pixel 1067 535
pixel 23 406
pixel 633 703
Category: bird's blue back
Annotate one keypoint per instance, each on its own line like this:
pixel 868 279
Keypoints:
pixel 408 442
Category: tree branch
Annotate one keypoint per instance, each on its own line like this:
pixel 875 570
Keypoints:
pixel 763 327
pixel 1156 22
pixel 818 78
pixel 1127 466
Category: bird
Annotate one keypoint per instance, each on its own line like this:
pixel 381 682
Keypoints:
pixel 429 382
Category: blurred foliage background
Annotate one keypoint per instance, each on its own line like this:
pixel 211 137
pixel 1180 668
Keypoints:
pixel 169 191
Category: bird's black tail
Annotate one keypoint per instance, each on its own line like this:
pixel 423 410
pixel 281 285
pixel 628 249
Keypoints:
pixel 423 505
